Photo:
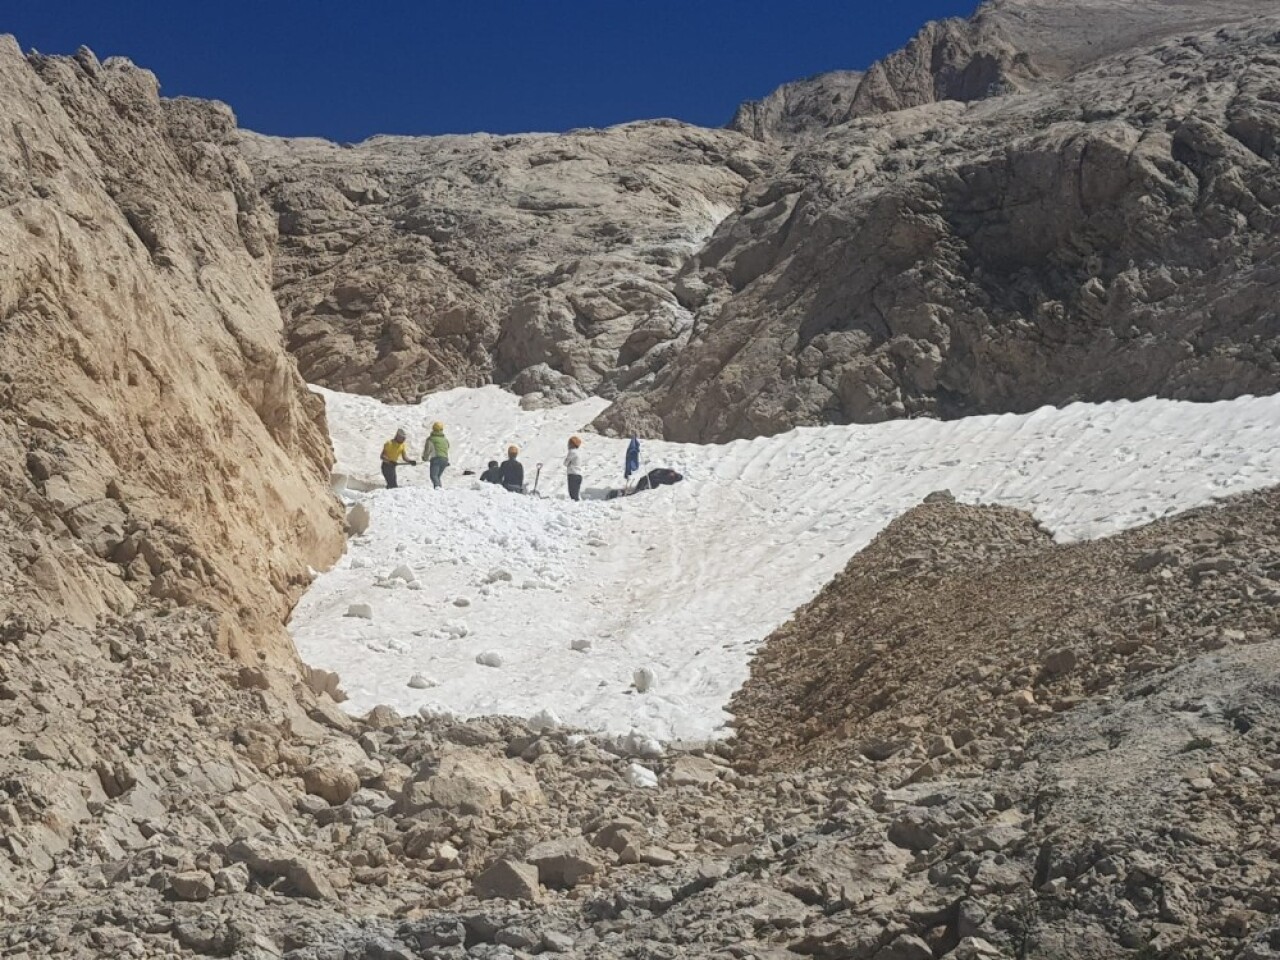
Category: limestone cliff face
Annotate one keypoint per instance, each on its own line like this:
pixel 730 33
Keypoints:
pixel 1104 236
pixel 408 264
pixel 155 439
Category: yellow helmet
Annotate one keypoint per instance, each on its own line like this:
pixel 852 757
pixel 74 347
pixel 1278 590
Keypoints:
pixel 512 450
pixel 437 427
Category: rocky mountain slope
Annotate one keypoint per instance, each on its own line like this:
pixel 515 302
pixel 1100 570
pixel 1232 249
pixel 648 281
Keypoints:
pixel 410 264
pixel 158 444
pixel 1106 236
pixel 1031 206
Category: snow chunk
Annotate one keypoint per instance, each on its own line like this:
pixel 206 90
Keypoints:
pixel 635 744
pixel 420 681
pixel 642 777
pixel 461 602
pixel 545 720
pixel 489 658
pixel 361 610
pixel 581 644
pixel 498 574
pixel 404 572
pixel 434 711
pixel 643 679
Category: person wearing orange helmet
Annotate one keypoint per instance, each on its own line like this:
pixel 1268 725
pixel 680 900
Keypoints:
pixel 573 467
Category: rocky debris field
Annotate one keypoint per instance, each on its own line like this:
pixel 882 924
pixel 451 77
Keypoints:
pixel 1079 761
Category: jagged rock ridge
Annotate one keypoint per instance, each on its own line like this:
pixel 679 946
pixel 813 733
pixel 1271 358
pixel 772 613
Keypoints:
pixel 1106 236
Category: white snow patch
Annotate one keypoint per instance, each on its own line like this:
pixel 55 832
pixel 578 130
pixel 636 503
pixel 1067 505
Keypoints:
pixel 687 580
pixel 641 776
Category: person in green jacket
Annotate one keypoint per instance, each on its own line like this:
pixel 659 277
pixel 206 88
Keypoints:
pixel 436 453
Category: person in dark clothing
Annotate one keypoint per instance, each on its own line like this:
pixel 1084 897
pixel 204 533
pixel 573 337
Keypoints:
pixel 658 477
pixel 511 473
pixel 493 474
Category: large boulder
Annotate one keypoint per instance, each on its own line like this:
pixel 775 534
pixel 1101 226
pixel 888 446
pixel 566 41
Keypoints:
pixel 468 782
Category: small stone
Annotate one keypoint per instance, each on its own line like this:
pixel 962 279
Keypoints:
pixel 906 947
pixel 693 772
pixel 562 863
pixel 1059 663
pixel 1023 699
pixel 358 520
pixel 192 885
pixel 658 857
pixel 361 610
pixel 508 880
pixel 333 784
pixel 553 941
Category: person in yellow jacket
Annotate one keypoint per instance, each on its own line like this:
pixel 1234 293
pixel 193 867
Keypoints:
pixel 392 454
pixel 436 453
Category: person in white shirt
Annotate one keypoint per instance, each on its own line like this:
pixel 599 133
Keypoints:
pixel 573 467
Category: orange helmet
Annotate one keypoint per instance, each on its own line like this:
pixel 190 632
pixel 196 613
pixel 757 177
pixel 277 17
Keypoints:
pixel 575 441
pixel 512 450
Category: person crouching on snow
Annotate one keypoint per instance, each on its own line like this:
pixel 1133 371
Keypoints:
pixel 392 454
pixel 512 471
pixel 436 453
pixel 573 467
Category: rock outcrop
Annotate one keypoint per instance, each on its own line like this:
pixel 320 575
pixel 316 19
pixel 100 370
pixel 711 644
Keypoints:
pixel 1106 236
pixel 1007 45
pixel 413 264
pixel 156 442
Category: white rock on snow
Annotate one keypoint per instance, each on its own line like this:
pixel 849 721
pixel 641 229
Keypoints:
pixel 489 658
pixel 545 720
pixel 641 776
pixel 643 679
pixel 420 681
pixel 361 610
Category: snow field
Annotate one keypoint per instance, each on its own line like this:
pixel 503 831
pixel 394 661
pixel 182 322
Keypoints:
pixel 543 607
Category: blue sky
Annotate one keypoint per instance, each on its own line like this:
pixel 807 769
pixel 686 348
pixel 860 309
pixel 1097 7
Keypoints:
pixel 350 70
